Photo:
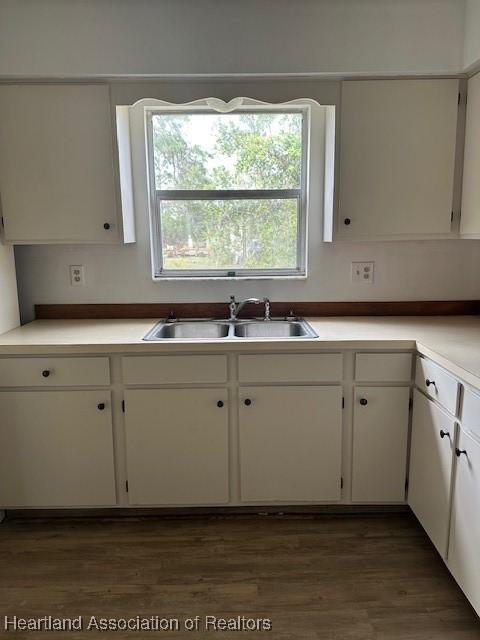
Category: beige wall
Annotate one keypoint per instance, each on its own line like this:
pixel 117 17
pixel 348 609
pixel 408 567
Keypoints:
pixel 92 37
pixel 8 290
pixel 472 34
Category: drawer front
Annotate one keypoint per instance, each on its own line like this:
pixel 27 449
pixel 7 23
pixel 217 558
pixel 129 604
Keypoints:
pixel 174 369
pixel 54 372
pixel 471 412
pixel 383 367
pixel 437 384
pixel 311 367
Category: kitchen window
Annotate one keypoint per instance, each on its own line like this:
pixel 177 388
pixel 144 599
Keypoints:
pixel 228 189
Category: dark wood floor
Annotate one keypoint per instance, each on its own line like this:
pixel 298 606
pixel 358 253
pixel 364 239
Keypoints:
pixel 328 577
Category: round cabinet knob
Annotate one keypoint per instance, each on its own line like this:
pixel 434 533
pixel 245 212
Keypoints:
pixel 247 402
pixel 45 373
pixel 101 406
pixel 444 433
pixel 220 404
pixel 106 226
pixel 363 402
pixel 459 452
pixel 347 221
pixel 429 382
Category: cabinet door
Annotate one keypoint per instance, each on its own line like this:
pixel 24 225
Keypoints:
pixel 290 443
pixel 177 446
pixel 431 460
pixel 397 155
pixel 463 551
pixel 56 449
pixel 380 437
pixel 470 220
pixel 56 164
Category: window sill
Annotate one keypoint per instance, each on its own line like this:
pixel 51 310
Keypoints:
pixel 223 278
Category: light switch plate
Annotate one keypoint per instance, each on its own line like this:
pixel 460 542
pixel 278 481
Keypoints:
pixel 77 275
pixel 363 272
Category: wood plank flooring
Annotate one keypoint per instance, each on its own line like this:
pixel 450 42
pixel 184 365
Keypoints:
pixel 325 577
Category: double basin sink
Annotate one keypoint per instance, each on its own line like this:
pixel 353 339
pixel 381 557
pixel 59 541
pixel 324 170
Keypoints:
pixel 231 329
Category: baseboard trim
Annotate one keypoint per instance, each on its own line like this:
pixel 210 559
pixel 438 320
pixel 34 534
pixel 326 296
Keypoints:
pixel 279 511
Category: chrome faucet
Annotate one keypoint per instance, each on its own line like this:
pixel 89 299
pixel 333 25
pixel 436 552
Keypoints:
pixel 235 307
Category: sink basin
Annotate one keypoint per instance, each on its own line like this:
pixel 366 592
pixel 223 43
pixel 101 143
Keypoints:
pixel 230 330
pixel 189 330
pixel 274 329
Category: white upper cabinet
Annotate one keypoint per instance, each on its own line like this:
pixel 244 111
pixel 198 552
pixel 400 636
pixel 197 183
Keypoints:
pixel 397 158
pixel 57 172
pixel 470 220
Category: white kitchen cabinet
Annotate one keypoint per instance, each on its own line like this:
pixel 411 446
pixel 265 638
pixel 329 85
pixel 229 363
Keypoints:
pixel 177 446
pixel 57 176
pixel 290 443
pixel 380 441
pixel 56 449
pixel 470 218
pixel 431 463
pixel 463 551
pixel 397 157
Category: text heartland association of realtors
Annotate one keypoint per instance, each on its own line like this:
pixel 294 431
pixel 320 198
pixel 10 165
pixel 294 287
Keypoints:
pixel 137 623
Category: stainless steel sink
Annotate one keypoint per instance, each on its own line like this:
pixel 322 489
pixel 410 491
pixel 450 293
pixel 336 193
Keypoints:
pixel 285 328
pixel 274 329
pixel 189 330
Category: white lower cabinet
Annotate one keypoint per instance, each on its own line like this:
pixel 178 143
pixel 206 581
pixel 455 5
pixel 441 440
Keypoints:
pixel 380 441
pixel 290 443
pixel 177 446
pixel 463 552
pixel 56 449
pixel 431 462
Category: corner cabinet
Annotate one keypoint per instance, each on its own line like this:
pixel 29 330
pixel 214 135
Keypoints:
pixel 58 176
pixel 397 159
pixel 380 441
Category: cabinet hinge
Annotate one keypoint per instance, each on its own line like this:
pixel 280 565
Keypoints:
pixel 341 483
pixel 343 403
pixel 451 216
pixel 3 223
pixel 459 97
pixel 406 485
pixel 410 404
pixel 126 486
pixel 123 406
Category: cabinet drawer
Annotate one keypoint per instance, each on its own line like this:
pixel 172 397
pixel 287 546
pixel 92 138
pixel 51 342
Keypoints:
pixel 383 367
pixel 174 369
pixel 54 372
pixel 437 383
pixel 311 367
pixel 471 412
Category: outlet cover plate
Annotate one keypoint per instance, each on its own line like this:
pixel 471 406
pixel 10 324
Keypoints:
pixel 363 272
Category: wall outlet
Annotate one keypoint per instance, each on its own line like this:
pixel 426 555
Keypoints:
pixel 77 275
pixel 363 272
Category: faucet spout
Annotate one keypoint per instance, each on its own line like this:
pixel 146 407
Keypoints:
pixel 235 307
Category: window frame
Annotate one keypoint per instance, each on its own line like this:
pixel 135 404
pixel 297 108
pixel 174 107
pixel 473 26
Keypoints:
pixel 156 196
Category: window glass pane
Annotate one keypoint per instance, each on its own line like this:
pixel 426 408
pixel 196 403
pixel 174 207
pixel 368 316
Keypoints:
pixel 229 234
pixel 227 151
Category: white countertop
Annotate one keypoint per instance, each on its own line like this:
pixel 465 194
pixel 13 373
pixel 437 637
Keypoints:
pixel 452 341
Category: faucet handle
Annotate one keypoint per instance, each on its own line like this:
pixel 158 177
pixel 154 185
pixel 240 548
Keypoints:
pixel 267 308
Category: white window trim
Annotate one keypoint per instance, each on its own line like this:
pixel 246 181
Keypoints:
pixel 237 104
